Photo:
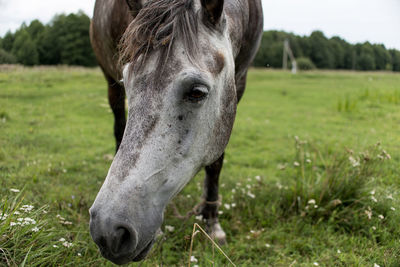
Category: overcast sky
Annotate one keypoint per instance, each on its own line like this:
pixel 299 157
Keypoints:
pixel 377 21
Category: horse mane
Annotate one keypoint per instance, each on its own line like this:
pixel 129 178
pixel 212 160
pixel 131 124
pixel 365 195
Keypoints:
pixel 157 25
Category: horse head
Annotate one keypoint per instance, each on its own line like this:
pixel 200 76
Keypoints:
pixel 179 78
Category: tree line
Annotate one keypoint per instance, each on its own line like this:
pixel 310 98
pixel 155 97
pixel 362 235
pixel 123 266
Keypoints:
pixel 317 51
pixel 65 40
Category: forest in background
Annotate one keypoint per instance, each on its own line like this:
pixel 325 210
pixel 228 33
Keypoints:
pixel 65 40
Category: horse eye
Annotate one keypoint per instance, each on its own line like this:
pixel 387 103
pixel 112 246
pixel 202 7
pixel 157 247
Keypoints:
pixel 197 93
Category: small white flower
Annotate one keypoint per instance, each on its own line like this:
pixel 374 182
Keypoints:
pixel 268 245
pixel 251 194
pixel 369 214
pixel 380 216
pixel 315 206
pixel 26 208
pixel 35 229
pixel 233 190
pixel 13 223
pixel 338 251
pixel 193 259
pixel 296 164
pixel 55 246
pixel 233 205
pixel 220 212
pixel 373 228
pixel 392 208
pixel 17 212
pixel 308 161
pixel 188 196
pixel 169 228
pixel 14 190
pixel 227 206
pixel 67 244
pixel 79 254
pixel 374 199
pixel 316 264
pixel 376 265
pixel 248 186
pixel 258 178
pixel 247 237
pixel 390 197
pixel 372 192
pixel 62 239
pixel 199 217
pixel 279 186
pixel 312 202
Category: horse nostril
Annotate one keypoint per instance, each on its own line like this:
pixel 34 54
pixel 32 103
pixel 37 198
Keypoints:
pixel 124 240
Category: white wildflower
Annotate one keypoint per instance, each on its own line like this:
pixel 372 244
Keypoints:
pixel 193 259
pixel 308 161
pixel 60 218
pixel 373 228
pixel 374 199
pixel 380 216
pixel 220 212
pixel 354 162
pixel 199 217
pixel 312 202
pixel 62 239
pixel 79 254
pixel 233 190
pixel 268 245
pixel 390 196
pixel 251 194
pixel 3 216
pixel 35 229
pixel 369 214
pixel 227 206
pixel 55 246
pixel 315 264
pixel 338 251
pixel 248 186
pixel 169 228
pixel 14 190
pixel 17 212
pixel 26 208
pixel 233 205
pixel 258 178
pixel 67 244
pixel 13 223
pixel 372 192
pixel 392 208
pixel 296 164
pixel 188 196
pixel 315 206
pixel 376 265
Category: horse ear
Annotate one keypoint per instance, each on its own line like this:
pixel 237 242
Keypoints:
pixel 213 9
pixel 134 6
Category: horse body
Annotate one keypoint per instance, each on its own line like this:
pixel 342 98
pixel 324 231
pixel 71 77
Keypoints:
pixel 186 66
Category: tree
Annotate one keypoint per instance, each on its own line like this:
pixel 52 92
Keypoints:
pixel 25 49
pixel 365 57
pixel 321 53
pixel 8 41
pixel 6 57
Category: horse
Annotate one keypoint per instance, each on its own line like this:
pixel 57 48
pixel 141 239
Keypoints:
pixel 182 65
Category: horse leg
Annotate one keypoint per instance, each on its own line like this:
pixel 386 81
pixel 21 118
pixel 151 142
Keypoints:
pixel 210 208
pixel 116 99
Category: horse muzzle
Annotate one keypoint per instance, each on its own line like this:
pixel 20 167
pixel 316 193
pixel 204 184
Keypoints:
pixel 117 239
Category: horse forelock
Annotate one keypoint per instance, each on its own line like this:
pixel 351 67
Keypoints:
pixel 157 25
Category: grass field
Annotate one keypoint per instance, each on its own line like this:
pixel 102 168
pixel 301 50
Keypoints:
pixel 310 176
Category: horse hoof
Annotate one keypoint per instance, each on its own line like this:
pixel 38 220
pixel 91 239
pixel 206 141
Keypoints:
pixel 217 234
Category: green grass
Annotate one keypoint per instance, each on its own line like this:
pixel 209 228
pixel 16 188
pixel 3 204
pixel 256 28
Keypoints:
pixel 310 182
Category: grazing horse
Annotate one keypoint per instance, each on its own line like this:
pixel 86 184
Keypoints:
pixel 182 65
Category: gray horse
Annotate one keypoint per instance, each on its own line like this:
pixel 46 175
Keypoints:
pixel 183 66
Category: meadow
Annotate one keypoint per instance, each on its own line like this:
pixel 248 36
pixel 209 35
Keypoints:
pixel 310 175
